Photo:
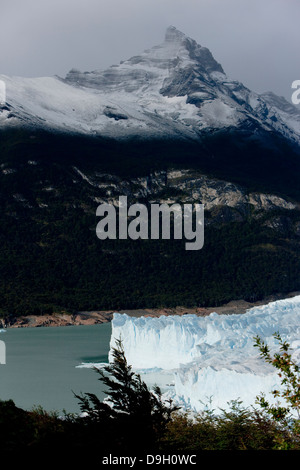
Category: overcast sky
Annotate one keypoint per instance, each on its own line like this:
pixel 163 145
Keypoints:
pixel 256 41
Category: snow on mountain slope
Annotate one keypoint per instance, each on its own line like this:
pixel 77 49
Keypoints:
pixel 52 103
pixel 209 356
pixel 174 89
pixel 288 112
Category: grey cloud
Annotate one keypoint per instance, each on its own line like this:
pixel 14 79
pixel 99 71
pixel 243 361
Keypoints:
pixel 256 42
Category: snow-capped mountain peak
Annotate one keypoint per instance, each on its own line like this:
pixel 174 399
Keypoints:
pixel 174 35
pixel 174 89
pixel 175 53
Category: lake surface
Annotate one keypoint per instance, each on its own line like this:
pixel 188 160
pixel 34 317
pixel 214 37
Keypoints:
pixel 41 365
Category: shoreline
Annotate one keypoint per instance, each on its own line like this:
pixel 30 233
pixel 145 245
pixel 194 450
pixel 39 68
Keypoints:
pixel 105 316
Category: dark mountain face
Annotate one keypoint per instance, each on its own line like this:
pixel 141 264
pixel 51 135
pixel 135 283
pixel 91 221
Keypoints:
pixel 167 125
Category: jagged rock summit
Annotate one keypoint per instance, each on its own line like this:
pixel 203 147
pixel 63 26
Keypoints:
pixel 152 67
pixel 175 89
pixel 174 35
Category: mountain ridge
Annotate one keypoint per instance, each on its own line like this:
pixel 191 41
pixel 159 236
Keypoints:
pixel 164 126
pixel 175 89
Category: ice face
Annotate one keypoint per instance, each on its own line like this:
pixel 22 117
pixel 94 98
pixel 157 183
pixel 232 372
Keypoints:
pixel 213 356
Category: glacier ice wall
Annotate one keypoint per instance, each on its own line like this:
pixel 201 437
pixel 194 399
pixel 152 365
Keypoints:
pixel 210 357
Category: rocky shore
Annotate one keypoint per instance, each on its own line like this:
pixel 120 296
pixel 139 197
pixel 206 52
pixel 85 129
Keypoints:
pixel 99 317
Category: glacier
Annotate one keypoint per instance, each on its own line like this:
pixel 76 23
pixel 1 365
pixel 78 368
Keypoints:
pixel 209 361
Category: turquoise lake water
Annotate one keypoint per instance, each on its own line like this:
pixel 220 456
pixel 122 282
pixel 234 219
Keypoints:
pixel 41 365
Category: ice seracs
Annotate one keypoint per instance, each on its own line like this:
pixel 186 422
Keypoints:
pixel 209 357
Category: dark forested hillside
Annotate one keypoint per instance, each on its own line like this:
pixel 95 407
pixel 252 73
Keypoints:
pixel 51 259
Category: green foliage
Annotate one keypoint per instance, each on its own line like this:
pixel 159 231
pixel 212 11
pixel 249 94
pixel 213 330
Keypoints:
pixel 288 371
pixel 130 403
pixel 236 430
pixel 52 261
pixel 22 430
